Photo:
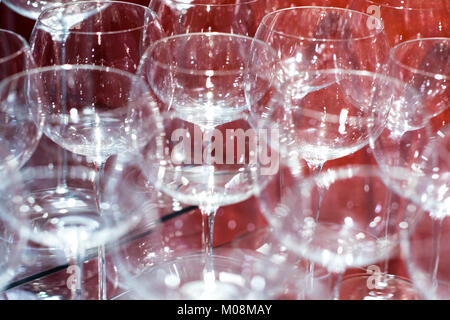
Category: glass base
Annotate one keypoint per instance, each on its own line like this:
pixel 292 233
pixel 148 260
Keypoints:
pixel 62 217
pixel 237 276
pixel 377 287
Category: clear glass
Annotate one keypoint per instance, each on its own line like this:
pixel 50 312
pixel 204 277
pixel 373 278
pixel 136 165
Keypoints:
pixel 201 75
pixel 326 114
pixel 424 248
pixel 208 171
pixel 113 34
pixel 419 117
pixel 343 229
pixel 86 111
pixel 314 38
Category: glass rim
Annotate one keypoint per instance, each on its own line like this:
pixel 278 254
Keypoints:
pixel 330 176
pixel 350 72
pixel 190 4
pixel 24 46
pixel 205 72
pixel 371 35
pixel 67 67
pixel 398 7
pixel 77 3
pixel 394 49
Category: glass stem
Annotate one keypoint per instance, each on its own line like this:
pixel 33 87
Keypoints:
pixel 316 170
pixel 337 286
pixel 101 260
pixel 436 234
pixel 208 231
pixel 62 184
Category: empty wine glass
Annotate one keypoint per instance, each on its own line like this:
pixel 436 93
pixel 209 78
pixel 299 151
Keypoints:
pixel 108 33
pixel 15 54
pixel 111 34
pixel 206 170
pixel 193 16
pixel 71 223
pixel 314 38
pixel 425 247
pixel 419 111
pixel 343 229
pixel 199 78
pixel 407 19
pixel 85 110
pixel 424 64
pixel 201 75
pixel 425 251
pixel 328 114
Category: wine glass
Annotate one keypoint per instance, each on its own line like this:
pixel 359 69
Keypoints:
pixel 206 169
pixel 200 78
pixel 85 110
pixel 419 117
pixel 111 34
pixel 108 33
pixel 15 54
pixel 194 16
pixel 425 246
pixel 32 9
pixel 314 38
pixel 201 75
pixel 425 65
pixel 408 19
pixel 329 114
pixel 73 223
pixel 343 229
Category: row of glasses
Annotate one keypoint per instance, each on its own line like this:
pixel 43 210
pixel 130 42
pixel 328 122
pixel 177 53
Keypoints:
pixel 197 74
pixel 109 34
pixel 50 42
pixel 71 217
pixel 322 115
pixel 78 110
pixel 404 98
pixel 419 146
